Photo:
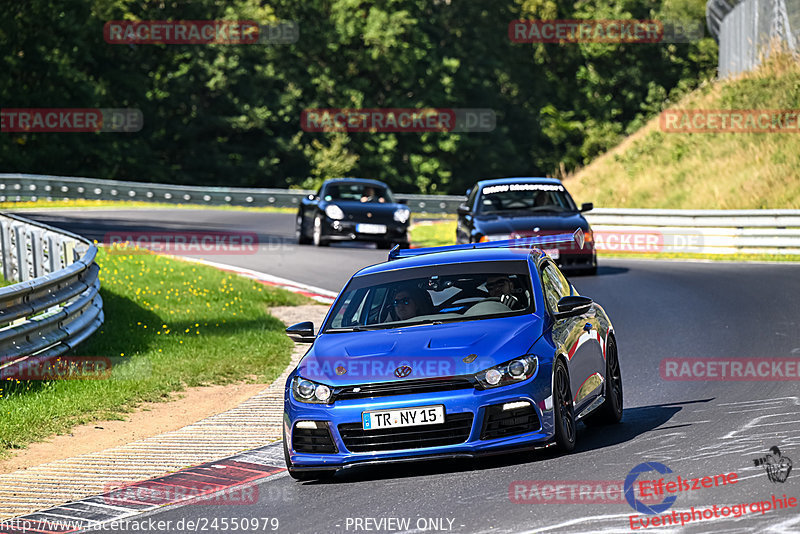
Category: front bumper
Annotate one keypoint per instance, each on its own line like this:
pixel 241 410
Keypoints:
pixel 459 405
pixel 577 262
pixel 335 230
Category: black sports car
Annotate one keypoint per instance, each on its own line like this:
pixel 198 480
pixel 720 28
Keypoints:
pixel 510 208
pixel 353 209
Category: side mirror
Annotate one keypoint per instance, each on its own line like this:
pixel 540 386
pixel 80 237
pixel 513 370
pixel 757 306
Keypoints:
pixel 587 206
pixel 571 306
pixel 301 332
pixel 468 192
pixel 402 201
pixel 463 209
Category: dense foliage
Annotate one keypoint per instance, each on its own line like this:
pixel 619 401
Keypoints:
pixel 230 114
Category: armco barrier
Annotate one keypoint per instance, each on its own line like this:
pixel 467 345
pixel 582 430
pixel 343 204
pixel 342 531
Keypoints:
pixel 696 231
pixel 702 231
pixel 54 302
pixel 25 187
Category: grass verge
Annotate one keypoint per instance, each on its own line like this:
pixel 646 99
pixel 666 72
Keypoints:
pixel 170 325
pixel 656 169
pixel 443 233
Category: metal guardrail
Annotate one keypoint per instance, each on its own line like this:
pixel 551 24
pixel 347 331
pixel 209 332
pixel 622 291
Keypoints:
pixel 24 187
pixel 697 231
pixel 746 28
pixel 55 303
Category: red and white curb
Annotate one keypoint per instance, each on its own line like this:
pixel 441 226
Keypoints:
pixel 317 293
pixel 232 480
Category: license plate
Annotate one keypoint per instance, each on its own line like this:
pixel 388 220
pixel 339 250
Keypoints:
pixel 425 415
pixel 552 252
pixel 371 228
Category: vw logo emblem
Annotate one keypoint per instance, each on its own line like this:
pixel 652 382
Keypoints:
pixel 402 371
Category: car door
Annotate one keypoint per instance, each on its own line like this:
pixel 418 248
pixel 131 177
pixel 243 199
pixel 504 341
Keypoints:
pixel 578 338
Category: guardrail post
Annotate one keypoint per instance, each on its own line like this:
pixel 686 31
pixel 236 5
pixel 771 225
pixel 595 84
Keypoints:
pixel 5 250
pixel 37 254
pixel 21 242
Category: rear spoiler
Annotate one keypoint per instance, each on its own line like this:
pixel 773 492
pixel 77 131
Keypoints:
pixel 525 242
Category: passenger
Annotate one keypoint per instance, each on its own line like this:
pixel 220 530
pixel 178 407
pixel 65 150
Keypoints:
pixel 501 287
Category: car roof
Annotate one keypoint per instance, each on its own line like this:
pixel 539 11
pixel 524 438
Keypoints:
pixel 365 181
pixel 456 256
pixel 518 180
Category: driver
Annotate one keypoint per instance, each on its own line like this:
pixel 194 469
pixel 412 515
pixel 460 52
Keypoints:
pixel 501 287
pixel 371 196
pixel 409 302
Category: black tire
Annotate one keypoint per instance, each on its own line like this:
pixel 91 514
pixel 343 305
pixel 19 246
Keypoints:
pixel 563 408
pixel 303 475
pixel 300 231
pixel 316 233
pixel 610 412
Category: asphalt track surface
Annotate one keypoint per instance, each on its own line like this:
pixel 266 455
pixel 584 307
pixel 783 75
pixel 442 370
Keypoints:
pixel 659 309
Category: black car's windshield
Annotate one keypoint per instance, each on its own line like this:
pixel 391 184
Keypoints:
pixel 448 293
pixel 524 197
pixel 357 192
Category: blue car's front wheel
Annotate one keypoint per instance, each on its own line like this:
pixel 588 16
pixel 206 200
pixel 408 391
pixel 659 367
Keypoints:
pixel 563 408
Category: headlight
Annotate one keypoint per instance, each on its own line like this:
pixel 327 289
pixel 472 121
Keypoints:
pixel 308 391
pixel 334 212
pixel 509 372
pixel 401 215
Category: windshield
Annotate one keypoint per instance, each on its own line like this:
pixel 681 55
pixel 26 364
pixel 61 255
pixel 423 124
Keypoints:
pixel 524 197
pixel 358 193
pixel 450 293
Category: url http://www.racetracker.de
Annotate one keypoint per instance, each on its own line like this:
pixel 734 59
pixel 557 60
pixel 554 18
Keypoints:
pixel 199 524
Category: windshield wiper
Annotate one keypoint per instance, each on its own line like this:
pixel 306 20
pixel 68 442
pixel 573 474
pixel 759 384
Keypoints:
pixel 355 328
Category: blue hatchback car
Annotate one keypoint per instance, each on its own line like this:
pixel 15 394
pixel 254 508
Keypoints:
pixel 450 352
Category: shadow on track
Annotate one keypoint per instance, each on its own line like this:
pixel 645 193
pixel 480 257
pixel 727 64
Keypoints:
pixel 635 421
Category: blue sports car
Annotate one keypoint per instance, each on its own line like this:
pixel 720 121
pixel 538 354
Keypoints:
pixel 450 352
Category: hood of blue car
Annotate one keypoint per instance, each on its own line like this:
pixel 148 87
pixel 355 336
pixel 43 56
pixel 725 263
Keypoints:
pixel 418 352
pixel 526 224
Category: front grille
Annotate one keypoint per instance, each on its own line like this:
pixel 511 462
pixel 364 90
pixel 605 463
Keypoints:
pixel 499 423
pixel 455 429
pixel 313 440
pixel 406 387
